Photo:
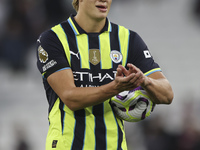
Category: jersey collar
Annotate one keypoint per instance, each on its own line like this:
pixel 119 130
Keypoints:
pixel 78 30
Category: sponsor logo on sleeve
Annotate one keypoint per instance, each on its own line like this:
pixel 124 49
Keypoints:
pixel 43 55
pixel 49 65
pixel 147 54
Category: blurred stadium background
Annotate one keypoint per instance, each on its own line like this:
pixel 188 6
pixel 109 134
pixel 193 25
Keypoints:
pixel 171 29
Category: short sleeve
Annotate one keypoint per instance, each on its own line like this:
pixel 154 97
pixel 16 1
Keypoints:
pixel 50 54
pixel 140 56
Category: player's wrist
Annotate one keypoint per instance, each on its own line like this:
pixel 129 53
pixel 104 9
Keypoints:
pixel 147 82
pixel 110 89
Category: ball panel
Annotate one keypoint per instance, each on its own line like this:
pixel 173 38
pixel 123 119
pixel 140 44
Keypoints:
pixel 132 106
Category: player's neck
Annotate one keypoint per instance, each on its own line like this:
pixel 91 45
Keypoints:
pixel 90 25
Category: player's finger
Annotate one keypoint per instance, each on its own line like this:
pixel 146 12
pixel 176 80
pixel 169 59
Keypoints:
pixel 128 78
pixel 119 72
pixel 138 79
pixel 133 68
pixel 124 70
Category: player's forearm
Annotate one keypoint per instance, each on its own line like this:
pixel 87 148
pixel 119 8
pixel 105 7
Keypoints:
pixel 159 90
pixel 77 98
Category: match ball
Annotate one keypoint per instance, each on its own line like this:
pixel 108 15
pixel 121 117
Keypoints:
pixel 132 106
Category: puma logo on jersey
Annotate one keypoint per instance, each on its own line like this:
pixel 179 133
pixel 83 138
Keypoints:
pixel 38 40
pixel 75 54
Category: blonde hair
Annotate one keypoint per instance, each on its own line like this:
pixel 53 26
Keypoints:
pixel 75 4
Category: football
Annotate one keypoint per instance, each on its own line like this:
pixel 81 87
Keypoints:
pixel 132 106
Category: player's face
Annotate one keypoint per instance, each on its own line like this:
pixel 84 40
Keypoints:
pixel 95 9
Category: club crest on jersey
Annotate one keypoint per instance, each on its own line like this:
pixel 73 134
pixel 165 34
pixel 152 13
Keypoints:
pixel 116 56
pixel 94 56
pixel 43 55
